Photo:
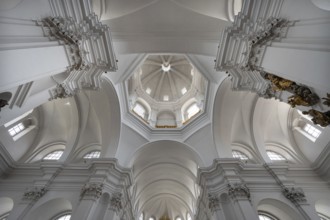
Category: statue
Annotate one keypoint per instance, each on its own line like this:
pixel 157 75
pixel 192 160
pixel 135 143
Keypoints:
pixel 297 100
pixel 3 103
pixel 327 100
pixel 319 118
pixel 278 83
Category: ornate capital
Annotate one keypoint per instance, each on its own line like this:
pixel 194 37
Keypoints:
pixel 295 195
pixel 34 194
pixel 238 190
pixel 214 202
pixel 93 190
pixel 116 202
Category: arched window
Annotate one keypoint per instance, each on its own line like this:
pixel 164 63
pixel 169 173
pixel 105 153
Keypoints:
pixel 188 216
pixel 92 154
pixel 263 216
pixel 55 155
pixel 140 110
pixel 152 218
pixel 239 154
pixel 192 110
pixel 64 217
pixel 141 216
pixel 178 218
pixel 275 156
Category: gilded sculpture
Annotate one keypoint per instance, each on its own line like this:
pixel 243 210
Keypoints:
pixel 327 100
pixel 319 118
pixel 302 94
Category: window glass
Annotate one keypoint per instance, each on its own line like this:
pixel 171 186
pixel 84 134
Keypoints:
pixel 16 129
pixel 141 216
pixel 92 154
pixel 55 155
pixel 275 156
pixel 64 217
pixel 266 217
pixel 188 216
pixel 240 155
pixel 312 130
pixel 192 110
pixel 138 109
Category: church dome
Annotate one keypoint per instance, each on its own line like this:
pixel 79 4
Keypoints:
pixel 166 91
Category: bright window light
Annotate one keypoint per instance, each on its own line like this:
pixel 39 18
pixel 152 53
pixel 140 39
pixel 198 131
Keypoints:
pixel 166 68
pixel 312 130
pixel 16 129
pixel 183 90
pixel 148 91
pixel 188 216
pixel 240 155
pixel 141 216
pixel 264 217
pixel 55 155
pixel 193 110
pixel 166 98
pixel 151 218
pixel 275 156
pixel 138 109
pixel 178 218
pixel 64 217
pixel 93 154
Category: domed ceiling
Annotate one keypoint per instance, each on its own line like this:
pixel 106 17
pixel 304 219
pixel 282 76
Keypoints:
pixel 166 91
pixel 166 78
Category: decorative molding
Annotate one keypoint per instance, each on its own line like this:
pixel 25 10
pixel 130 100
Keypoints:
pixel 93 190
pixel 83 42
pixel 295 195
pixel 239 191
pixel 214 202
pixel 34 194
pixel 116 202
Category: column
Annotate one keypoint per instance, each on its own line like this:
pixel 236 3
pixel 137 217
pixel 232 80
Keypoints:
pixel 115 206
pixel 215 207
pixel 240 195
pixel 90 193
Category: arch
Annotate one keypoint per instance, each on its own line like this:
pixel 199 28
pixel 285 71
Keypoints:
pixel 322 4
pixel 322 207
pixel 278 209
pixel 165 175
pixel 247 150
pixel 45 150
pixel 79 154
pixel 50 209
pixel 6 205
pixel 166 118
pixel 145 106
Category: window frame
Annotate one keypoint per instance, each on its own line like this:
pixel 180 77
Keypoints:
pixel 276 154
pixel 91 152
pixel 43 159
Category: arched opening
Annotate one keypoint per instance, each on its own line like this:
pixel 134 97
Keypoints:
pixel 165 175
pixel 52 209
pixel 322 208
pixel 6 205
pixel 275 209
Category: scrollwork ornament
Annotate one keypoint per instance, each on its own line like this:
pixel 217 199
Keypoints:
pixel 116 202
pixel 214 202
pixel 93 190
pixel 238 190
pixel 295 195
pixel 34 194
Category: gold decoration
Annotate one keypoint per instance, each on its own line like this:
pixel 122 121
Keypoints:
pixel 327 100
pixel 278 83
pixel 297 100
pixel 319 118
pixel 302 94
